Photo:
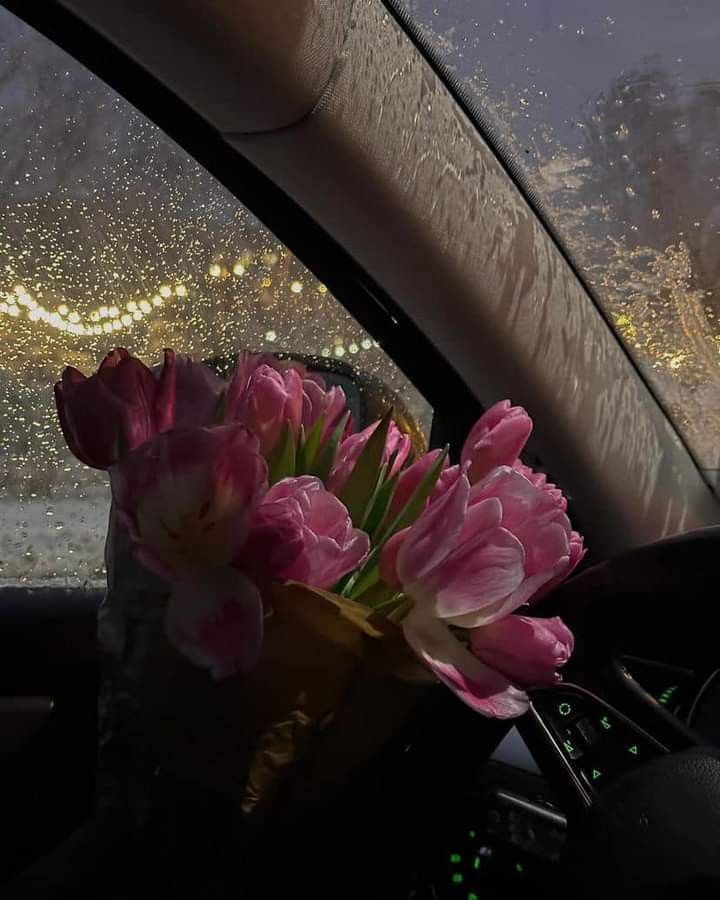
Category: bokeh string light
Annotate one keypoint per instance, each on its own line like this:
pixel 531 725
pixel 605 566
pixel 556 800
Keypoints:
pixel 112 235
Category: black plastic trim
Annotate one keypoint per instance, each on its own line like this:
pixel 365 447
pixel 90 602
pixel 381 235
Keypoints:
pixel 454 403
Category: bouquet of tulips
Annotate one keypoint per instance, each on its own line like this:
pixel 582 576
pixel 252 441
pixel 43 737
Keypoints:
pixel 229 488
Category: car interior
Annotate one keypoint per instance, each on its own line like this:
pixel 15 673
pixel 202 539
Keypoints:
pixel 394 193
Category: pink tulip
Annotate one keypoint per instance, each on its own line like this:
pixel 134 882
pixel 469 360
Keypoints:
pixel 187 498
pixel 496 439
pixel 397 447
pixel 188 495
pixel 539 479
pixel 577 552
pixel 472 557
pixel 214 618
pixel 269 400
pixel 115 410
pixel 319 401
pixel 410 480
pixel 302 532
pixel 528 651
pixel 198 393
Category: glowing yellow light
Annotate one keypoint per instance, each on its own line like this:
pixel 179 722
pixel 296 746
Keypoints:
pixel 95 316
pixel 296 287
pixel 145 306
pixel 266 282
pixel 270 258
pixel 14 310
pixel 33 315
pixel 181 290
pixel 366 343
pixel 3 307
pixel 270 336
pixel 31 304
pixel 63 310
pixel 103 311
pixel 113 312
pixel 19 290
pixel 137 315
pixel 132 306
pixel 97 329
pixel 157 300
pixel 215 271
pixel 353 348
pixel 74 317
pixel 238 269
pixel 339 351
pixel 126 319
pixel 117 324
pixel 166 290
pixel 321 289
pixel 107 327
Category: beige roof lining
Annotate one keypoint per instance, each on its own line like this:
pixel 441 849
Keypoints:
pixel 371 143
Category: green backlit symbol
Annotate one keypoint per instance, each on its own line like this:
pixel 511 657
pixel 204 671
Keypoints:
pixel 633 749
pixel 564 709
pixel 605 722
pixel 472 834
pixel 457 878
pixel 568 747
pixel 455 858
pixel 596 773
pixel 476 862
pixel 472 896
pixel 519 868
pixel 666 695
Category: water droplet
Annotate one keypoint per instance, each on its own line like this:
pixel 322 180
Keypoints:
pixel 655 213
pixel 629 191
pixel 622 131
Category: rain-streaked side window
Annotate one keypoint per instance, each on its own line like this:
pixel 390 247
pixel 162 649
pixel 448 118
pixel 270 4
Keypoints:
pixel 111 235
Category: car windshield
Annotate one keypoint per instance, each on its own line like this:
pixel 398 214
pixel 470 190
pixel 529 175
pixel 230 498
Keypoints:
pixel 612 113
pixel 112 235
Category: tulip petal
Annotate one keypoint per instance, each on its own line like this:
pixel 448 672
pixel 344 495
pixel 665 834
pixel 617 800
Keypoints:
pixel 483 571
pixel 215 619
pixel 434 533
pixel 527 650
pixel 480 687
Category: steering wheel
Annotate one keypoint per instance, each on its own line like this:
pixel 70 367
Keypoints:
pixel 641 787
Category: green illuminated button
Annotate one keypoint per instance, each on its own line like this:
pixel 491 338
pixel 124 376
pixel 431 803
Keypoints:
pixel 457 878
pixel 472 896
pixel 596 774
pixel 472 834
pixel 455 858
pixel 476 863
pixel 564 708
pixel 519 868
pixel 573 751
pixel 666 695
pixel 633 748
pixel 606 723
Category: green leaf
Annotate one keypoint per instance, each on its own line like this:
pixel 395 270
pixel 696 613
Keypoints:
pixel 325 459
pixel 363 481
pixel 416 503
pixel 369 573
pixel 219 412
pixel 309 446
pixel 378 507
pixel 367 578
pixel 281 459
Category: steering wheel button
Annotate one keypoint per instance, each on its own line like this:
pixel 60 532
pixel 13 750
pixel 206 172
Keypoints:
pixel 586 731
pixel 606 723
pixel 571 747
